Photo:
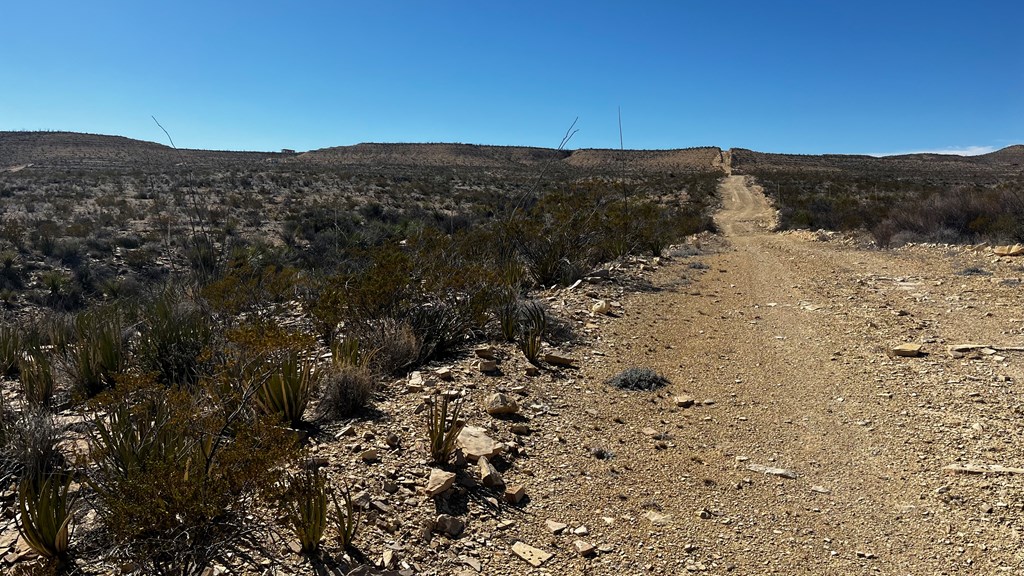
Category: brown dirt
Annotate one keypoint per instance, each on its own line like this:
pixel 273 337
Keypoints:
pixel 788 338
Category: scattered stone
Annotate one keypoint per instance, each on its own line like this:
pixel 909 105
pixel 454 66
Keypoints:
pixel 981 469
pixel 475 443
pixel 347 431
pixel 581 531
pixel 650 432
pixel 486 352
pixel 532 371
pixel 684 401
pixel 520 429
pixel 515 494
pixel 444 373
pixel 506 524
pixel 370 456
pixel 907 350
pixel 473 563
pixel 499 403
pixel 583 548
pixel 601 307
pixel 489 475
pixel 439 482
pixel 559 360
pixel 486 366
pixel 820 490
pixel 554 526
pixel 534 556
pixel 449 525
pixel 657 518
pixel 780 472
pixel 393 441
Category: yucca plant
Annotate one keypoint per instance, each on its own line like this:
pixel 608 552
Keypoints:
pixel 175 333
pixel 533 322
pixel 100 353
pixel 10 350
pixel 45 505
pixel 306 507
pixel 36 375
pixel 443 426
pixel 288 388
pixel 507 313
pixel 346 521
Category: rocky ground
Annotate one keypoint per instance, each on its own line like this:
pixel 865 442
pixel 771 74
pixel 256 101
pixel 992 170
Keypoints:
pixel 791 438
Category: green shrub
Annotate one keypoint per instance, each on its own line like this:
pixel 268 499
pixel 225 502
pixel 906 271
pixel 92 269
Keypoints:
pixel 176 473
pixel 638 379
pixel 175 333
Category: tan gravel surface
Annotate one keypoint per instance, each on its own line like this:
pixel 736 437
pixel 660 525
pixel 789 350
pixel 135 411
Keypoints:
pixel 784 342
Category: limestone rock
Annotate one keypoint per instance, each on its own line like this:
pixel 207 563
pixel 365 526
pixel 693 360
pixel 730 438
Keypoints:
pixel 515 494
pixel 486 366
pixel 444 373
pixel 584 548
pixel 370 456
pixel 907 350
pixel 499 403
pixel 486 352
pixel 449 525
pixel 489 475
pixel 555 527
pixel 475 443
pixel 684 401
pixel 439 482
pixel 534 556
pixel 601 307
pixel 559 360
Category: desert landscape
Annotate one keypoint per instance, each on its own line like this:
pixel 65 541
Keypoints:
pixel 461 359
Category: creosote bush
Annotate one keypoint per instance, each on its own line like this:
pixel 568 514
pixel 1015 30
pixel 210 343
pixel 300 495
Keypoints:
pixel 638 379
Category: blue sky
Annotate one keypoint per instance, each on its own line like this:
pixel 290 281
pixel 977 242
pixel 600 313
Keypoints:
pixel 780 76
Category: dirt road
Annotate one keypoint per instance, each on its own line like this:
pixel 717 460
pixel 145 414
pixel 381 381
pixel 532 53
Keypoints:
pixel 783 340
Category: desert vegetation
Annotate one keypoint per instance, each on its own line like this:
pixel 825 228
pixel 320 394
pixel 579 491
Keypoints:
pixel 202 325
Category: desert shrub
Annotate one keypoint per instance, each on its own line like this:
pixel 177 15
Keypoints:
pixel 644 379
pixel 443 426
pixel 394 342
pixel 175 332
pixel 506 312
pixel 345 389
pixel 28 444
pixel 175 473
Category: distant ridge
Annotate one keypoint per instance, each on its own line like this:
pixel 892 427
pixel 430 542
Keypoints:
pixel 78 151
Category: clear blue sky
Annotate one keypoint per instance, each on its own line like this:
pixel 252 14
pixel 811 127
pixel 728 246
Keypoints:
pixel 781 76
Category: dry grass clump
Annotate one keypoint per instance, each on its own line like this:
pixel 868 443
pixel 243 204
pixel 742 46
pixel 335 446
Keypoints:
pixel 644 379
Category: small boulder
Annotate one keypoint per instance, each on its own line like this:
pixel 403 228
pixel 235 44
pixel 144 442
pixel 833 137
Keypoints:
pixel 486 366
pixel 450 526
pixel 583 548
pixel 475 443
pixel 489 475
pixel 499 403
pixel 907 350
pixel 439 482
pixel 601 307
pixel 683 401
pixel 555 527
pixel 515 494
pixel 534 556
pixel 559 360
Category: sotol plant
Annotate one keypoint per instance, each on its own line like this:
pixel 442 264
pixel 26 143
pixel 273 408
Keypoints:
pixel 533 321
pixel 305 506
pixel 287 390
pixel 443 426
pixel 46 514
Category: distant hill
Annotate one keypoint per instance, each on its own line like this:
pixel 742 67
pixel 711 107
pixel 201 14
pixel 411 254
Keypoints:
pixel 73 150
pixel 945 167
pixel 76 151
